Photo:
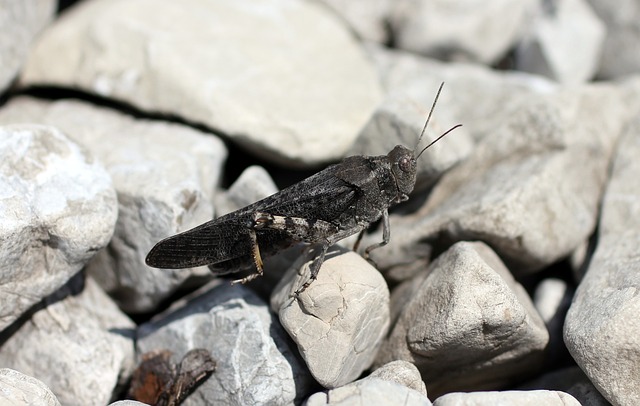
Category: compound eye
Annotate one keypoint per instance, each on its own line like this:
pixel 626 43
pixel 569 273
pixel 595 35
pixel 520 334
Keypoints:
pixel 405 164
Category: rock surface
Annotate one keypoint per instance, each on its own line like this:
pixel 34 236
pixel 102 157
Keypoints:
pixel 339 321
pixel 255 364
pixel 21 21
pixel 602 323
pixel 17 389
pixel 572 381
pixel 402 372
pixel 59 208
pixel 523 398
pixel 164 175
pixel 466 323
pixel 252 83
pixel 77 342
pixel 370 391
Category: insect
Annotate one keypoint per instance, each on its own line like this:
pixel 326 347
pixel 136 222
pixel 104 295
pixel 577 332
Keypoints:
pixel 335 203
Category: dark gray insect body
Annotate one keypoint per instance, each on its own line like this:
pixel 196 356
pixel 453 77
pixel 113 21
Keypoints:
pixel 335 203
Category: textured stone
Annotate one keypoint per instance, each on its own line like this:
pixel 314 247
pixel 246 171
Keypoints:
pixel 59 208
pixel 17 389
pixel 369 19
pixel 466 323
pixel 602 326
pixel 460 30
pixel 21 21
pixel 257 82
pixel 506 398
pixel 78 343
pixel 339 321
pixel 253 184
pixel 370 391
pixel 255 363
pixel 402 372
pixel 164 175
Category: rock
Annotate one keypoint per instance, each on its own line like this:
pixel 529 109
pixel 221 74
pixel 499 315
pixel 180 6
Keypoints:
pixel 253 184
pixel 257 82
pixel 521 190
pixel 127 403
pixel 255 364
pixel 520 398
pixel 369 19
pixel 399 121
pixel 572 381
pixel 17 389
pixel 564 44
pixel 21 21
pixel 78 343
pixel 466 323
pixel 370 391
pixel 164 175
pixel 59 208
pixel 402 372
pixel 622 21
pixel 602 325
pixel 339 321
pixel 473 31
pixel 552 298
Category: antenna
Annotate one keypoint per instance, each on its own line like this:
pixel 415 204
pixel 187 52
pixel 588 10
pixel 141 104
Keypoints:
pixel 433 106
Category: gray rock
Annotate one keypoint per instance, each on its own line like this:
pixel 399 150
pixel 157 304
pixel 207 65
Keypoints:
pixel 572 381
pixel 565 42
pixel 474 31
pixel 552 298
pixel 59 208
pixel 622 20
pixel 256 82
pixel 18 389
pixel 253 184
pixel 530 158
pixel 127 403
pixel 339 321
pixel 164 175
pixel 402 372
pixel 602 325
pixel 466 323
pixel 255 364
pixel 520 398
pixel 78 343
pixel 21 21
pixel 370 391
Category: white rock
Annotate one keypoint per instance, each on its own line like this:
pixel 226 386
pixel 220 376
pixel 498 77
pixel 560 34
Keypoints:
pixel 127 403
pixel 564 44
pixel 255 364
pixel 479 31
pixel 370 391
pixel 17 389
pixel 59 208
pixel 551 295
pixel 239 67
pixel 367 18
pixel 78 343
pixel 507 398
pixel 622 20
pixel 164 174
pixel 466 323
pixel 21 21
pixel 339 321
pixel 402 372
pixel 602 328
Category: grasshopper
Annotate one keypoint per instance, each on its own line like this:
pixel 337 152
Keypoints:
pixel 335 203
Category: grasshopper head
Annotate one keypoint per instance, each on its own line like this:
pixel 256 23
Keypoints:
pixel 403 169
